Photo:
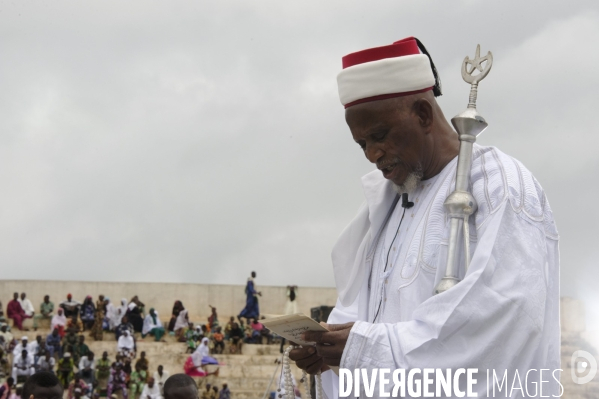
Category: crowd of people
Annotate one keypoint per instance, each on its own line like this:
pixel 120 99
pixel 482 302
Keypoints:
pixel 45 384
pixel 64 352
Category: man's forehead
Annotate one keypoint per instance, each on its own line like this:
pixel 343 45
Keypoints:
pixel 380 107
pixel 54 392
pixel 186 392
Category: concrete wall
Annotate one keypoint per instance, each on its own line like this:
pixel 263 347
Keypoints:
pixel 572 315
pixel 228 299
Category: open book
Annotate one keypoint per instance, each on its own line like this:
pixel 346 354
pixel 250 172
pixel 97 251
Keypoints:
pixel 292 326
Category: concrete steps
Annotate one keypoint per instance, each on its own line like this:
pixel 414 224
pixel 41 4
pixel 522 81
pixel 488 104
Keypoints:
pixel 247 375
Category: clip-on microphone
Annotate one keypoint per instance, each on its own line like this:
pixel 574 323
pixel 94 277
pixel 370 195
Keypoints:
pixel 404 201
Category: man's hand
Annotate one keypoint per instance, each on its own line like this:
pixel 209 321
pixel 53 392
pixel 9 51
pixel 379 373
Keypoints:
pixel 307 359
pixel 330 344
pixel 328 350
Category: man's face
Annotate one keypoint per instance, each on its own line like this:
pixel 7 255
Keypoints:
pixel 69 297
pixel 15 296
pixel 54 392
pixel 81 339
pixel 46 299
pixel 23 295
pixel 55 332
pixel 105 355
pixel 391 136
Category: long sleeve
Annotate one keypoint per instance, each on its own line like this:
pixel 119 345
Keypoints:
pixel 504 315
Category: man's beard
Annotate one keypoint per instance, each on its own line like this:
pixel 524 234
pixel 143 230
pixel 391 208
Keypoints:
pixel 411 182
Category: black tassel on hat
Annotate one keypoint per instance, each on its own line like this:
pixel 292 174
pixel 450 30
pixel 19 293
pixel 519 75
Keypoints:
pixel 437 88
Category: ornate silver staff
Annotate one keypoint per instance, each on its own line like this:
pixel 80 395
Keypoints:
pixel 461 204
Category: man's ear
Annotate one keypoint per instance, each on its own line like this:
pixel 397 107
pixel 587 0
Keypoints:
pixel 424 111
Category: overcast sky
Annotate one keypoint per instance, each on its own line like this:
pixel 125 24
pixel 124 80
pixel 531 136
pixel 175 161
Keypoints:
pixel 194 141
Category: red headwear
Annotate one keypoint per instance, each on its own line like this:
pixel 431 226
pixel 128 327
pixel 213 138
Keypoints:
pixel 383 72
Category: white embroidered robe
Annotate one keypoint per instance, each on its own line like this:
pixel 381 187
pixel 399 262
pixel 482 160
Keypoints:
pixel 503 315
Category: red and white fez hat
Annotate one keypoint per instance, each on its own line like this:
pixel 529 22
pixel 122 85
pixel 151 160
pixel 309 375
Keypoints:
pixel 384 72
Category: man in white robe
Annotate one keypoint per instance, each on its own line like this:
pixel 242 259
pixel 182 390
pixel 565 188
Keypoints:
pixel 504 314
pixel 126 344
pixel 23 365
pixel 26 305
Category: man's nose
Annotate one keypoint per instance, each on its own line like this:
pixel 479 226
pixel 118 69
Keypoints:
pixel 373 153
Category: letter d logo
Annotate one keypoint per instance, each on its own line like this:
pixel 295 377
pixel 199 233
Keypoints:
pixel 581 365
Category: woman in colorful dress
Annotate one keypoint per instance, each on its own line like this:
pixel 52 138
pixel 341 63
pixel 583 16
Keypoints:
pixel 88 313
pixel 195 364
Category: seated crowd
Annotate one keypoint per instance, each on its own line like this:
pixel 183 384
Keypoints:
pixel 64 353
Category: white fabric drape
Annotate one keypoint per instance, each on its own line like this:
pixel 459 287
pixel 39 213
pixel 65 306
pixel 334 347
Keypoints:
pixel 152 393
pixel 181 321
pixel 126 342
pixel 203 348
pixel 58 320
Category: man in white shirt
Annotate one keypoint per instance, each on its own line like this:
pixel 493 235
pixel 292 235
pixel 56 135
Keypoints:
pixel 24 344
pixel 160 377
pixel 23 365
pixel 26 305
pixel 46 363
pixel 87 368
pixel 151 390
pixel 34 345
